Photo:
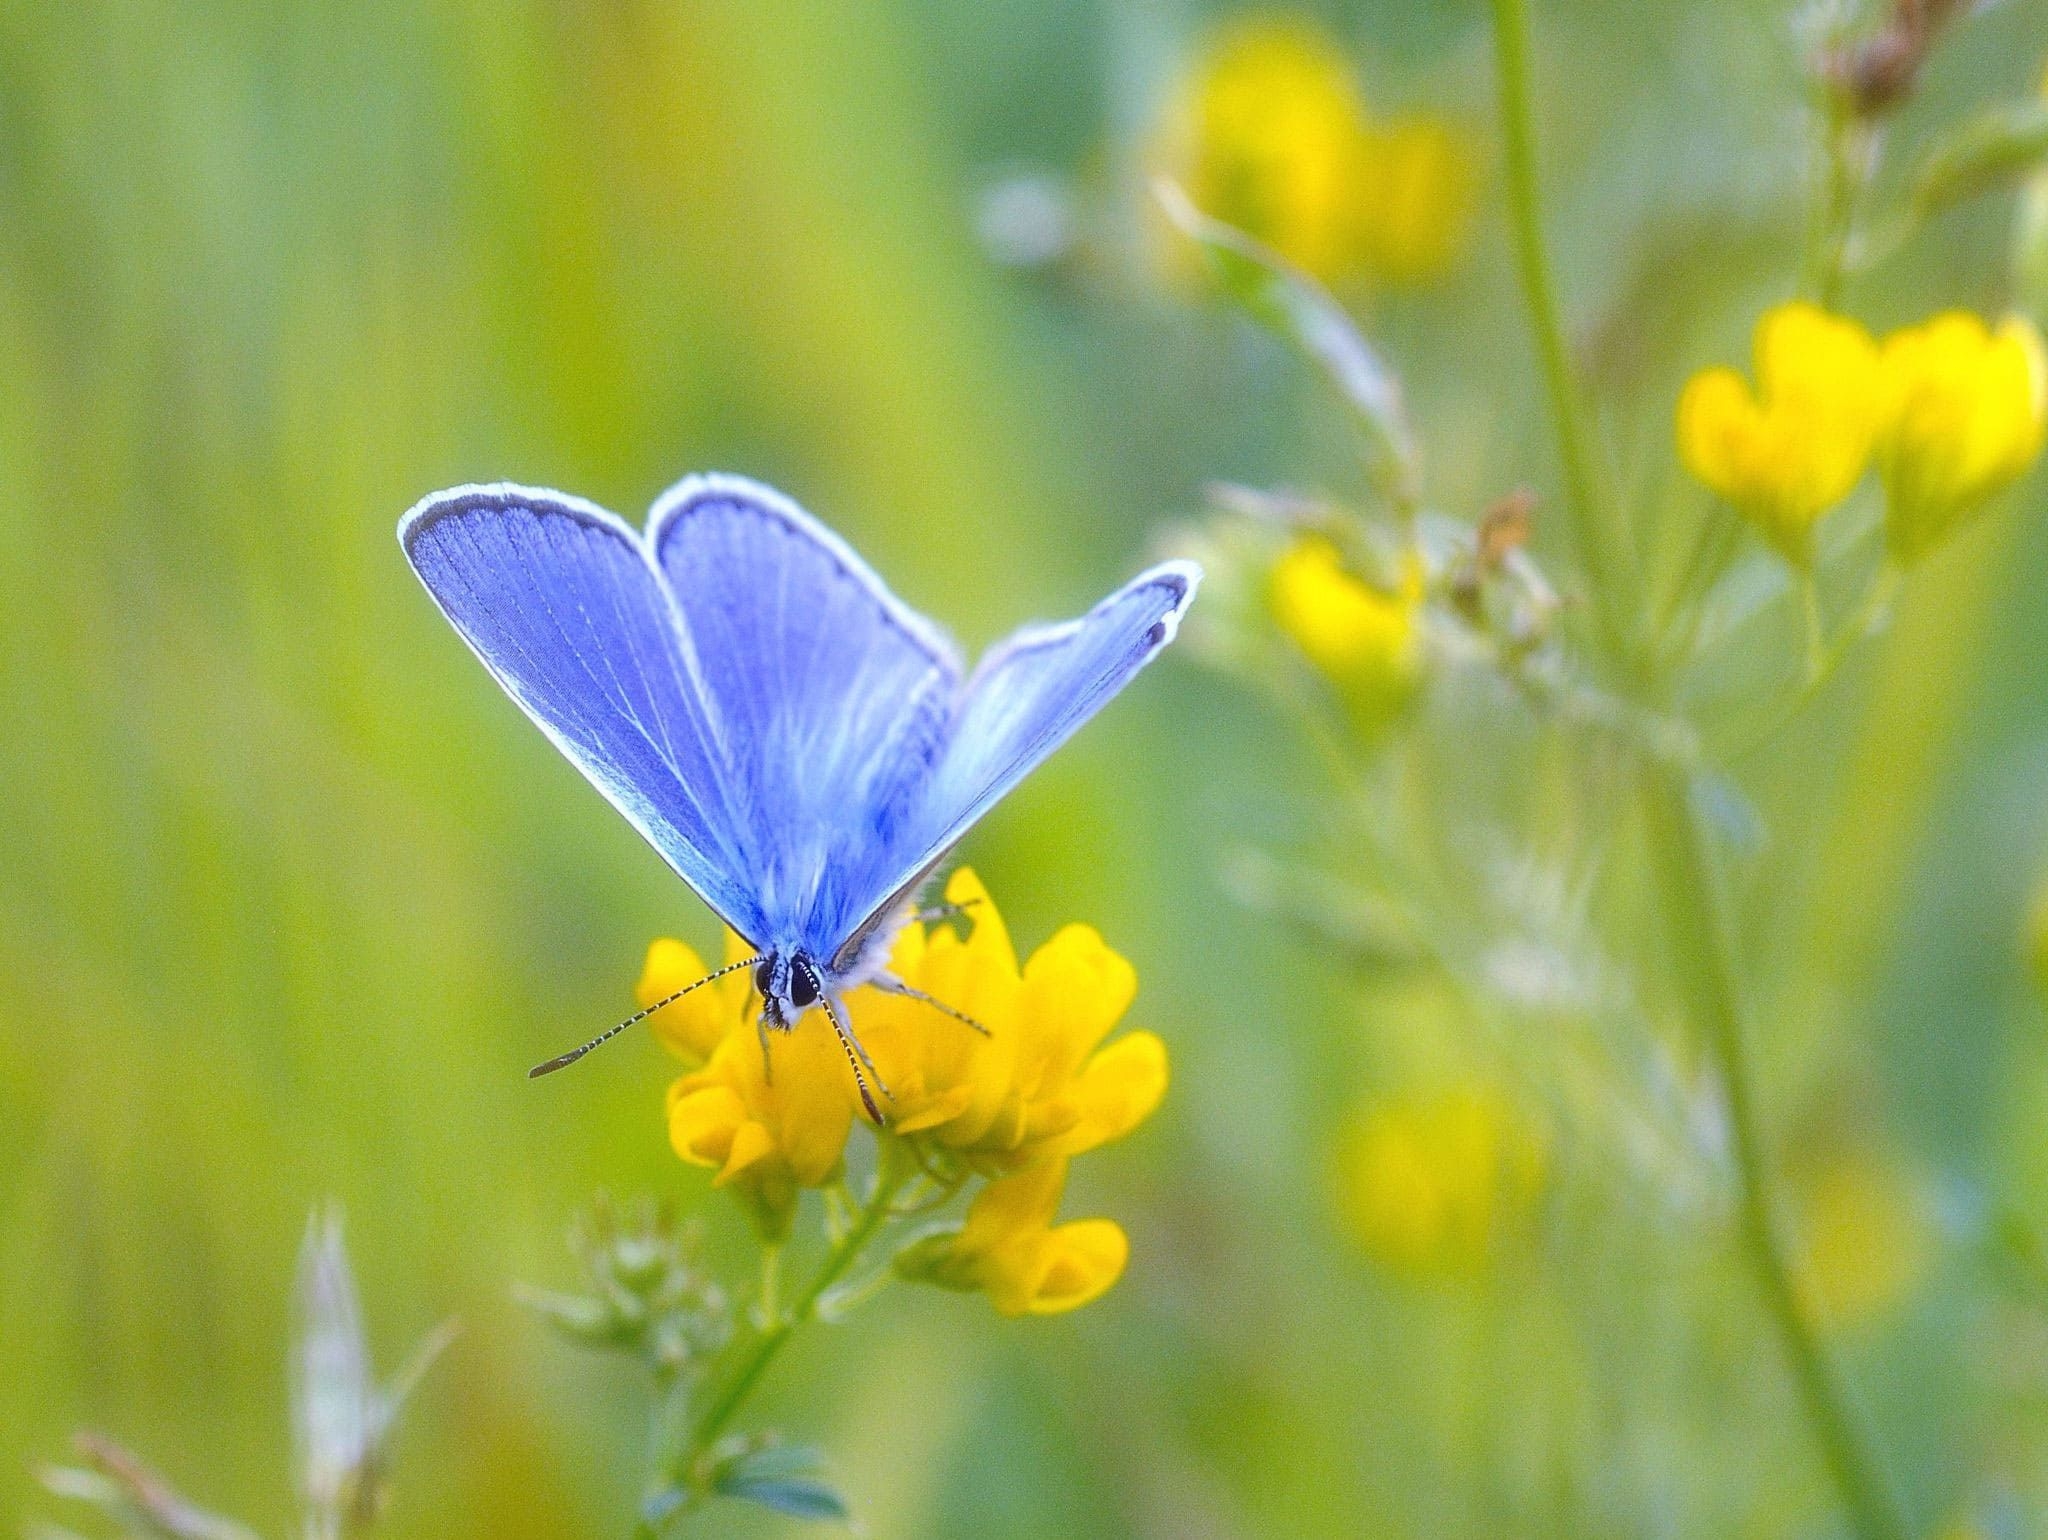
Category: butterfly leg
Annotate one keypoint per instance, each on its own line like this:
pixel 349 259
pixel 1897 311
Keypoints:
pixel 896 986
pixel 856 1056
pixel 767 1063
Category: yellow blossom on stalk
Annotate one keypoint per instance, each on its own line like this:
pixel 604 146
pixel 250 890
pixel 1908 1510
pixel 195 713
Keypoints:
pixel 1035 1089
pixel 1796 446
pixel 1269 132
pixel 1432 1185
pixel 1866 1239
pixel 1010 1249
pixel 1365 641
pixel 1964 410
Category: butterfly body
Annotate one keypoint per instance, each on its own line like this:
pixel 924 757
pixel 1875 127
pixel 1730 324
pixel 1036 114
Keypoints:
pixel 801 747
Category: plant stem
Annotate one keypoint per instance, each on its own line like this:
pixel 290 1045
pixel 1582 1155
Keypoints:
pixel 891 1171
pixel 1593 532
pixel 1823 664
pixel 1847 153
pixel 1697 930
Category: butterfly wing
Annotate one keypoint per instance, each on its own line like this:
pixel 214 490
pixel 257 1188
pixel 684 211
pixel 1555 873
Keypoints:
pixel 1028 695
pixel 832 697
pixel 560 602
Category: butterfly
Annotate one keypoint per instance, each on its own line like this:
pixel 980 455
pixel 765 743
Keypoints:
pixel 803 748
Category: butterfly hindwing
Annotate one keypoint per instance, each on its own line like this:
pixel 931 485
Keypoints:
pixel 560 602
pixel 1028 695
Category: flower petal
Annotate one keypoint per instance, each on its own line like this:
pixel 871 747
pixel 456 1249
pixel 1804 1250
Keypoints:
pixel 1077 1263
pixel 1014 1205
pixel 702 1121
pixel 691 1027
pixel 1075 990
pixel 1116 1092
pixel 751 1145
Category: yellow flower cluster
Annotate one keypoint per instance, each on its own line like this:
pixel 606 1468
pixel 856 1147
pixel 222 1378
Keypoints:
pixel 1269 132
pixel 1365 641
pixel 1866 1239
pixel 1432 1185
pixel 1013 1104
pixel 1951 411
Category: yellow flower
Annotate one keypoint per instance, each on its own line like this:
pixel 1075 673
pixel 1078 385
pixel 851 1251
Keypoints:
pixel 1036 1082
pixel 1796 447
pixel 1269 132
pixel 1010 1248
pixel 1963 414
pixel 1365 641
pixel 1420 187
pixel 1431 1186
pixel 768 1125
pixel 1867 1239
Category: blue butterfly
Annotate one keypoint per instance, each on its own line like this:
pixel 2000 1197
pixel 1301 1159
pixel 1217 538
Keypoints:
pixel 802 747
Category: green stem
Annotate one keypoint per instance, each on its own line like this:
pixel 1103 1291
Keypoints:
pixel 1697 930
pixel 1847 151
pixel 1593 532
pixel 891 1173
pixel 1824 660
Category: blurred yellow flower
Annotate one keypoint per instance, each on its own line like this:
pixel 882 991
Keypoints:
pixel 1432 1185
pixel 1010 1248
pixel 1269 132
pixel 1420 187
pixel 1964 410
pixel 1867 1240
pixel 1787 453
pixel 1037 1085
pixel 1365 641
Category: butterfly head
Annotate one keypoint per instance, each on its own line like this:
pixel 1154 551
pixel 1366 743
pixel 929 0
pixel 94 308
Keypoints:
pixel 789 985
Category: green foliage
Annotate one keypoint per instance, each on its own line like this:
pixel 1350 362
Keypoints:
pixel 290 899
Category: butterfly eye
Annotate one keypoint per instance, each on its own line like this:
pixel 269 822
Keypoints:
pixel 803 986
pixel 763 976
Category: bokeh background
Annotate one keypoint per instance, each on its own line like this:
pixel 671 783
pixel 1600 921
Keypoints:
pixel 290 897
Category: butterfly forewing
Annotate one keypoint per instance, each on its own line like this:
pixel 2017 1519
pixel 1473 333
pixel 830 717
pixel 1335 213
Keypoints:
pixel 560 602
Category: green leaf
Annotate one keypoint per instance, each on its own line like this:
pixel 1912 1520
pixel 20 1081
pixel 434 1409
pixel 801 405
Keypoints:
pixel 1302 311
pixel 784 1477
pixel 797 1497
pixel 1994 149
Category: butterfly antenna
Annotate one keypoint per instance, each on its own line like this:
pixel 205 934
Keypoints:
pixel 569 1058
pixel 854 1054
pixel 896 986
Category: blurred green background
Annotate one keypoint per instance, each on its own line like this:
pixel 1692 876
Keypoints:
pixel 290 897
